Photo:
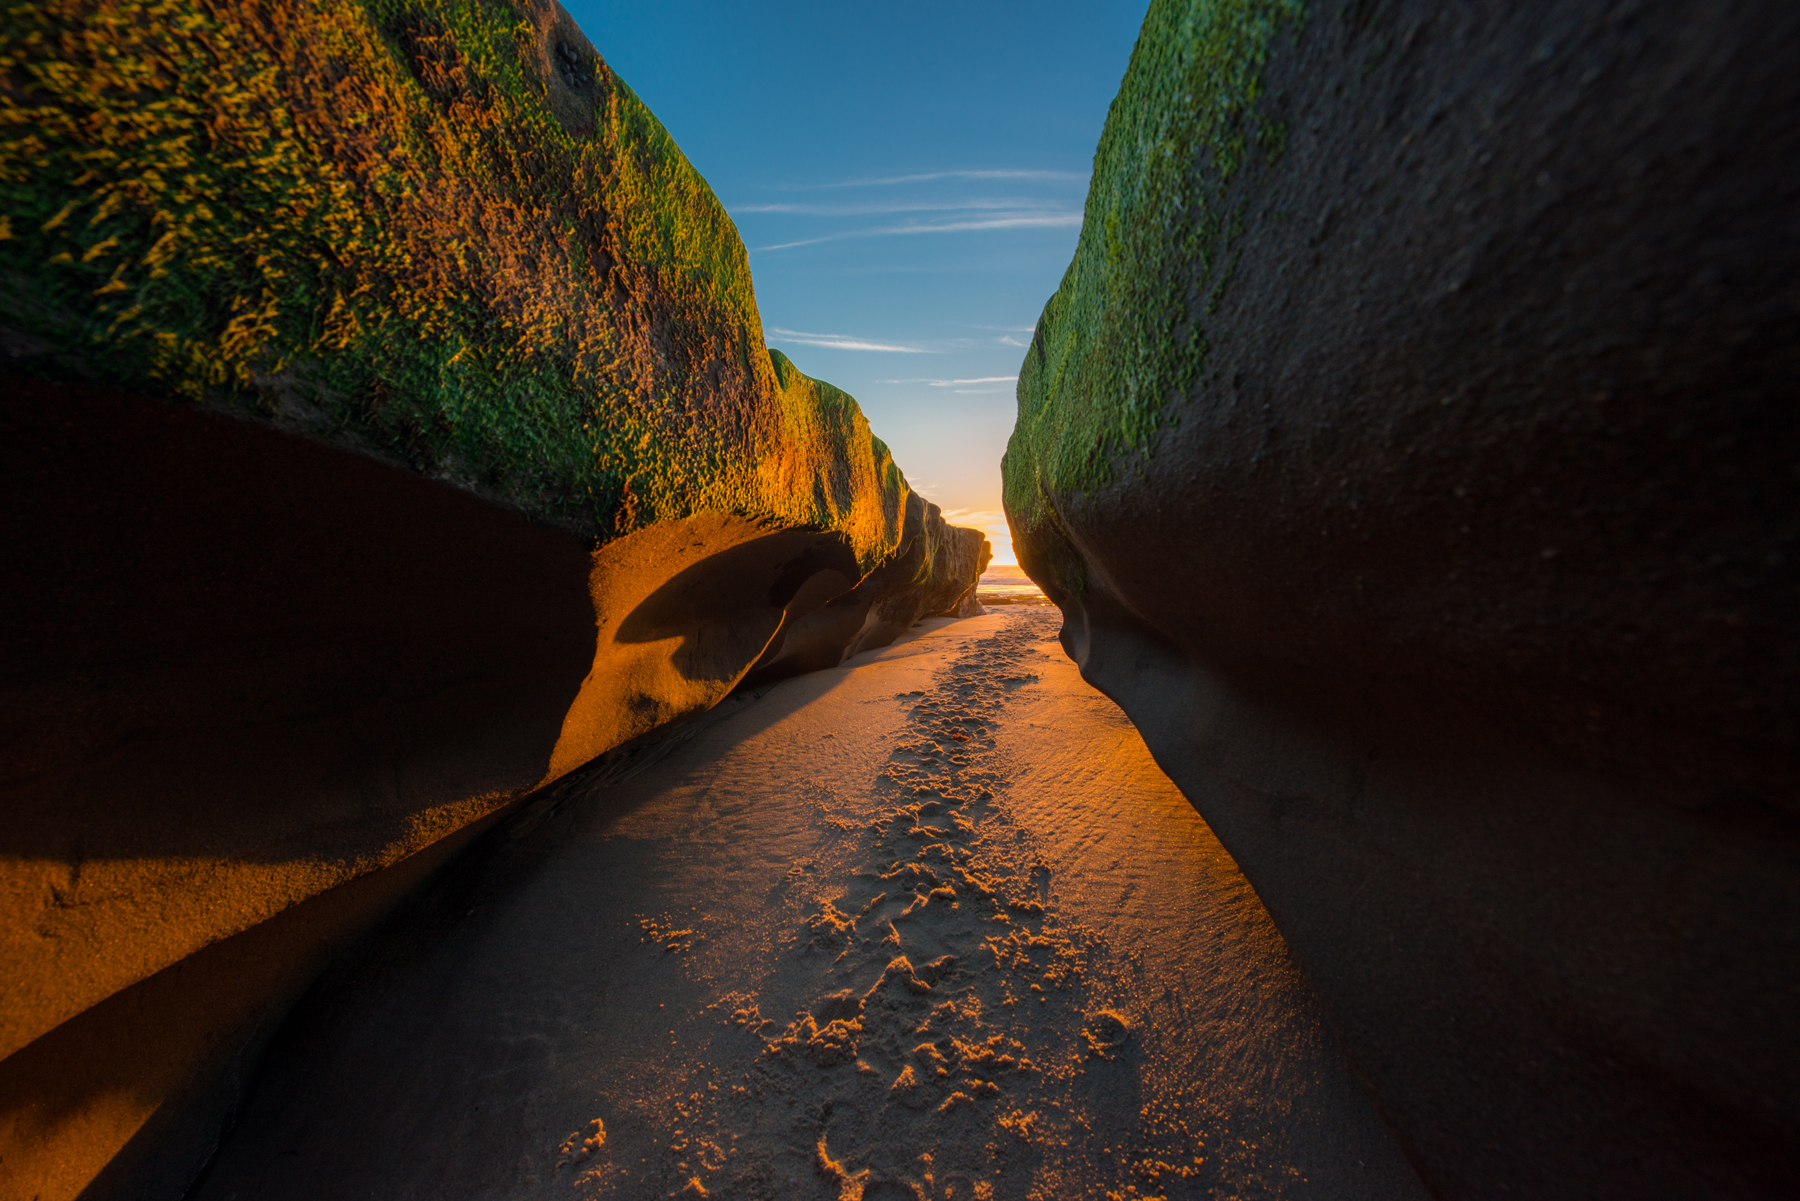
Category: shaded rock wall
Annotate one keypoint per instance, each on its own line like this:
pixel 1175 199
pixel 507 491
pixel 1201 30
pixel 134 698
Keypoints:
pixel 242 669
pixel 249 675
pixel 390 432
pixel 1411 448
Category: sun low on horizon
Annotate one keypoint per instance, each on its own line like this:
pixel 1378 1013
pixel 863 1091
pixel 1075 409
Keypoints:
pixel 994 526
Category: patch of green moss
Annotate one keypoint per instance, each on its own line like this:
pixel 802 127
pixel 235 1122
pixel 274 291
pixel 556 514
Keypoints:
pixel 1117 344
pixel 826 453
pixel 376 222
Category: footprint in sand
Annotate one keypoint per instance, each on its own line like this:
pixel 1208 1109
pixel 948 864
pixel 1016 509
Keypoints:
pixel 971 945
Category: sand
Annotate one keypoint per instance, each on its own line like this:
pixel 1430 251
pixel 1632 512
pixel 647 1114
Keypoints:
pixel 929 925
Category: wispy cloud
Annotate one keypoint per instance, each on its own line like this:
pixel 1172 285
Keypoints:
pixel 981 519
pixel 1011 203
pixel 930 175
pixel 951 383
pixel 1006 333
pixel 1018 221
pixel 956 385
pixel 838 341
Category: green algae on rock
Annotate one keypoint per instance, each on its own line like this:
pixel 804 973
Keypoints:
pixel 1410 449
pixel 399 226
pixel 1120 339
pixel 290 295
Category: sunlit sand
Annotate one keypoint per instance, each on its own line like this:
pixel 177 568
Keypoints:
pixel 931 924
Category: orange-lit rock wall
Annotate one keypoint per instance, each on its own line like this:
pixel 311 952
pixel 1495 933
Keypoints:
pixel 390 432
pixel 258 688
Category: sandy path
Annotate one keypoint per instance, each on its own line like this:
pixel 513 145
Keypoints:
pixel 930 925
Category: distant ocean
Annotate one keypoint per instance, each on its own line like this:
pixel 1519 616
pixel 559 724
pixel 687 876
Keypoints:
pixel 1006 581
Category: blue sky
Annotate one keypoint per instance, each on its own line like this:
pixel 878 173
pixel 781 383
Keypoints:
pixel 909 181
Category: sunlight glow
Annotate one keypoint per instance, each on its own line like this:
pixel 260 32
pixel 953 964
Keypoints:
pixel 993 524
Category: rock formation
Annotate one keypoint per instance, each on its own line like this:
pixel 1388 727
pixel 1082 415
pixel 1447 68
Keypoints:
pixel 1411 448
pixel 932 575
pixel 389 432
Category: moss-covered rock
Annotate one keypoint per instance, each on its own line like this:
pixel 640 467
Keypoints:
pixel 1120 340
pixel 257 687
pixel 934 575
pixel 440 231
pixel 1410 447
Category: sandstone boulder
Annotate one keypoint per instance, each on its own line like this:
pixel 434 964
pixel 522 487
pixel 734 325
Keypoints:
pixel 934 574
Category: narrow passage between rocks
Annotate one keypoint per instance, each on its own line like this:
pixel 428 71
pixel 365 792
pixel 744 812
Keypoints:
pixel 929 925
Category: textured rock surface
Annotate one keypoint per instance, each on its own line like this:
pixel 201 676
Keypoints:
pixel 934 574
pixel 399 227
pixel 1411 448
pixel 392 432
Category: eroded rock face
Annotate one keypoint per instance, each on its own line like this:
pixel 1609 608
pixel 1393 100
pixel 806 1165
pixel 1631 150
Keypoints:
pixel 934 574
pixel 1411 450
pixel 391 433
pixel 258 687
